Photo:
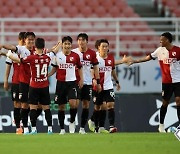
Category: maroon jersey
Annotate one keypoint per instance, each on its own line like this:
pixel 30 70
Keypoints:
pixel 39 70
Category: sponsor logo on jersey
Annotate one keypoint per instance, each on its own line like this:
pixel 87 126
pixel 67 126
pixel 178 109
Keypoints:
pixel 105 69
pixel 109 62
pixel 169 60
pixel 85 63
pixel 71 58
pixel 65 66
pixel 88 56
pixel 174 53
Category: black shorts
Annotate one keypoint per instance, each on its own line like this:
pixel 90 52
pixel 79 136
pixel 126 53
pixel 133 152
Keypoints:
pixel 15 92
pixel 169 88
pixel 86 92
pixel 65 91
pixel 105 96
pixel 23 92
pixel 39 95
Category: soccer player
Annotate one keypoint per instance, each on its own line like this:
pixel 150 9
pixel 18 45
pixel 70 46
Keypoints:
pixel 39 85
pixel 169 60
pixel 106 98
pixel 88 59
pixel 15 85
pixel 24 75
pixel 65 66
pixel 103 108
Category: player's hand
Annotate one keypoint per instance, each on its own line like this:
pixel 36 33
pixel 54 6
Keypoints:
pixel 118 87
pixel 6 85
pixel 128 60
pixel 99 88
pixel 94 82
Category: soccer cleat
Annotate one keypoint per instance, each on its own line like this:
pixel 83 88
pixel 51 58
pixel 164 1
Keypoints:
pixel 112 130
pixel 72 127
pixel 19 131
pixel 62 132
pixel 49 132
pixel 33 132
pixel 161 128
pixel 26 131
pixel 82 131
pixel 91 125
pixel 103 130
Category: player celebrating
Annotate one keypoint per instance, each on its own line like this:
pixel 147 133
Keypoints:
pixel 65 66
pixel 24 75
pixel 39 85
pixel 15 85
pixel 88 59
pixel 106 98
pixel 169 60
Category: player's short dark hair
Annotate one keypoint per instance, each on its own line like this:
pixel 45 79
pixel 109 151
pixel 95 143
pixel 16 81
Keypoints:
pixel 168 35
pixel 103 41
pixel 67 38
pixel 83 35
pixel 97 44
pixel 39 43
pixel 21 35
pixel 29 34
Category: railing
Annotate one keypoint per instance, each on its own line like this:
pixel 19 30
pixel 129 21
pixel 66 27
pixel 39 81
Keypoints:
pixel 114 29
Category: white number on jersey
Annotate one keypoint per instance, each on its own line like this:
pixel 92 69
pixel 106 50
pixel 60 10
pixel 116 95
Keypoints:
pixel 40 71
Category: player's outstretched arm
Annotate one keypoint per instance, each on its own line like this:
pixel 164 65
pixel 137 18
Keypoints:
pixel 124 60
pixel 12 57
pixel 53 70
pixel 8 47
pixel 144 59
pixel 56 48
pixel 3 53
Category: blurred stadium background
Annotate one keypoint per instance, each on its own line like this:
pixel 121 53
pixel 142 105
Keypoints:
pixel 132 27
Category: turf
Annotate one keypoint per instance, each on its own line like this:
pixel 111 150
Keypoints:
pixel 117 143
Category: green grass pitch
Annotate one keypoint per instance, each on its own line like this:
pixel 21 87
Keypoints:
pixel 117 143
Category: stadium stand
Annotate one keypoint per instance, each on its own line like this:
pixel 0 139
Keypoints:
pixel 168 8
pixel 81 8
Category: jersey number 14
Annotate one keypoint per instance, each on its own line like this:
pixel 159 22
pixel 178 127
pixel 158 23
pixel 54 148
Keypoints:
pixel 41 71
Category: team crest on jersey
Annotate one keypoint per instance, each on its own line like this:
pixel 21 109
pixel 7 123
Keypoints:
pixel 174 53
pixel 71 58
pixel 42 60
pixel 109 62
pixel 88 56
pixel 47 60
pixel 36 60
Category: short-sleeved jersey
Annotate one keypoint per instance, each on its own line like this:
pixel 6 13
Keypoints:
pixel 16 69
pixel 105 69
pixel 66 66
pixel 25 73
pixel 169 63
pixel 87 59
pixel 39 69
